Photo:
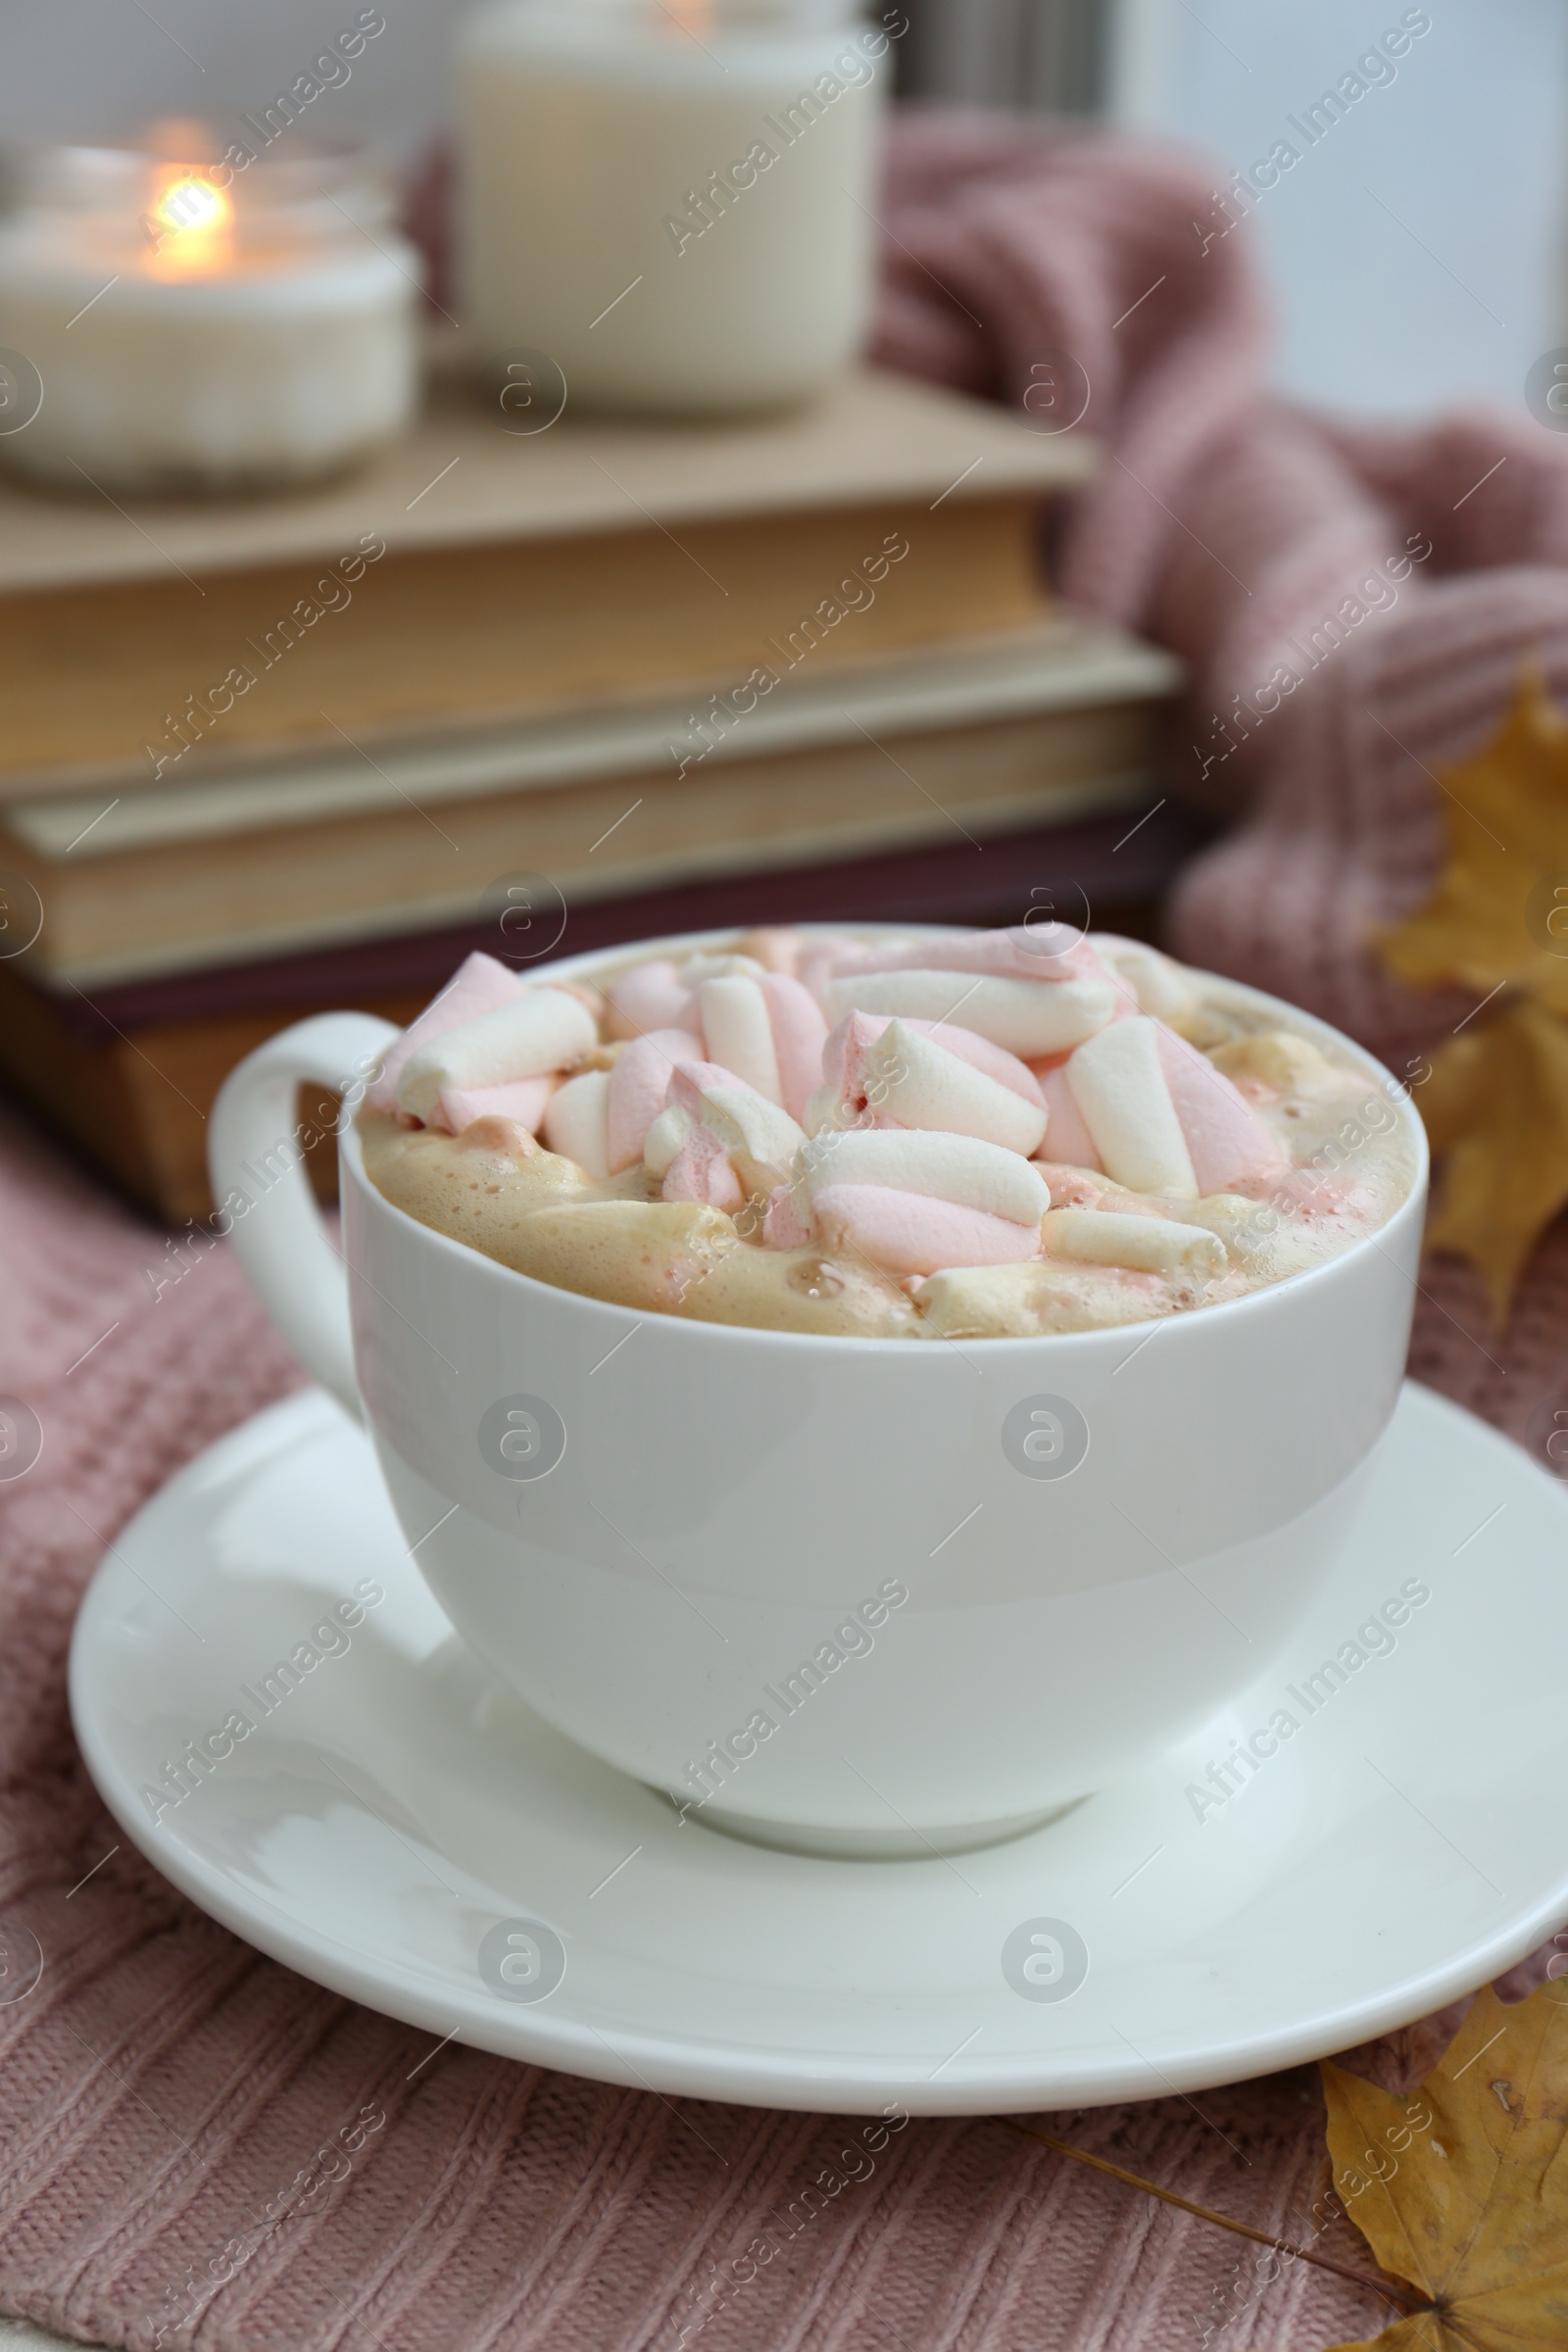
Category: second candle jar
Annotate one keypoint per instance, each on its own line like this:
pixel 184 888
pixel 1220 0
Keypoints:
pixel 672 201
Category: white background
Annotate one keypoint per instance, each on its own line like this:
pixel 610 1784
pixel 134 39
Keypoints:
pixel 1420 245
pixel 77 68
pixel 1418 248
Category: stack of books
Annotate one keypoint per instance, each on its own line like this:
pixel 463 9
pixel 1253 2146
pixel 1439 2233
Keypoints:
pixel 535 692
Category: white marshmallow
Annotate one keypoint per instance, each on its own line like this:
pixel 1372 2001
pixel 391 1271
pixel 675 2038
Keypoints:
pixel 1161 986
pixel 577 1122
pixel 760 1138
pixel 665 1140
pixel 712 964
pixel 960 1168
pixel 1028 1017
pixel 823 1110
pixel 1119 1084
pixel 545 1030
pixel 738 1033
pixel 1146 1244
pixel 919 1083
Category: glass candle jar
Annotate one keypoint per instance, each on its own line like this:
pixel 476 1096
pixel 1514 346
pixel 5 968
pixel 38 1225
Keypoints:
pixel 671 199
pixel 183 323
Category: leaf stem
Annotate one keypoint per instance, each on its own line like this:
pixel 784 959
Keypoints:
pixel 1406 2303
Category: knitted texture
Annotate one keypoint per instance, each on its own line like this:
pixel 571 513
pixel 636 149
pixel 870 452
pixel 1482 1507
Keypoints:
pixel 162 2086
pixel 1244 534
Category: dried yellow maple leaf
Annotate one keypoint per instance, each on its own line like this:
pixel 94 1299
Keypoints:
pixel 1462 2187
pixel 1496 1104
pixel 1496 1109
pixel 1490 919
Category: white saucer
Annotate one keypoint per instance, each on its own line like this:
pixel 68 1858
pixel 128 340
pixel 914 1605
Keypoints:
pixel 399 1807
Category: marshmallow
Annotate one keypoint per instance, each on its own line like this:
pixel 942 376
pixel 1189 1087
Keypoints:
pixel 1227 1141
pixel 639 1085
pixel 650 996
pixel 1068 1142
pixel 736 1141
pixel 1048 952
pixel 501 1138
pixel 825 1110
pixel 719 963
pixel 478 985
pixel 576 1120
pixel 738 1035
pixel 958 1168
pixel 1161 1117
pixel 1028 1017
pixel 981 1055
pixel 775 949
pixel 906 1233
pixel 826 955
pixel 1160 986
pixel 761 1026
pixel 1118 1083
pixel 703 1170
pixel 800 1032
pixel 907 1074
pixel 542 1030
pixel 664 1139
pixel 783 1227
pixel 858 1030
pixel 1146 1245
pixel 523 1101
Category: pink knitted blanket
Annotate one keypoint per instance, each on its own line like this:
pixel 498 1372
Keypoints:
pixel 1354 605
pixel 163 2085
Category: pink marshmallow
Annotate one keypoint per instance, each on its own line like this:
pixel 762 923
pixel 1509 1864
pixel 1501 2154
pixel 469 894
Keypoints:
pixel 1067 1139
pixel 781 1226
pixel 820 958
pixel 1026 951
pixel 651 995
pixel 720 1135
pixel 776 949
pixel 799 1031
pixel 993 1061
pixel 843 1053
pixel 908 1232
pixel 478 985
pixel 1075 1188
pixel 1226 1140
pixel 843 1048
pixel 638 1085
pixel 523 1101
pixel 700 1170
pixel 691 1077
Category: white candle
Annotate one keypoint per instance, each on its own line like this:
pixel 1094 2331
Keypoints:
pixel 204 324
pixel 671 197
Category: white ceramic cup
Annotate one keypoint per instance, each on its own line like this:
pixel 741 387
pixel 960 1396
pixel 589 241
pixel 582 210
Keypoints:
pixel 858 1596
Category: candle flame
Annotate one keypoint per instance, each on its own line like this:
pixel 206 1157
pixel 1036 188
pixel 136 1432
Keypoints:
pixel 190 220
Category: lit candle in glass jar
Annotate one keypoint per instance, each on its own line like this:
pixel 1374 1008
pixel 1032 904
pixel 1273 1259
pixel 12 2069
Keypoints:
pixel 196 327
pixel 671 197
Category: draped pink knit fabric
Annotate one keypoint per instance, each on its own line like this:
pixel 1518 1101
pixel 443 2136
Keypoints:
pixel 162 2084
pixel 1235 529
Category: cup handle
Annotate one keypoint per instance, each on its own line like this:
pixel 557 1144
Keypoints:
pixel 255 1156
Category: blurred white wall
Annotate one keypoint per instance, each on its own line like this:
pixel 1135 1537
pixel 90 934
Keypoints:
pixel 80 68
pixel 1419 245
